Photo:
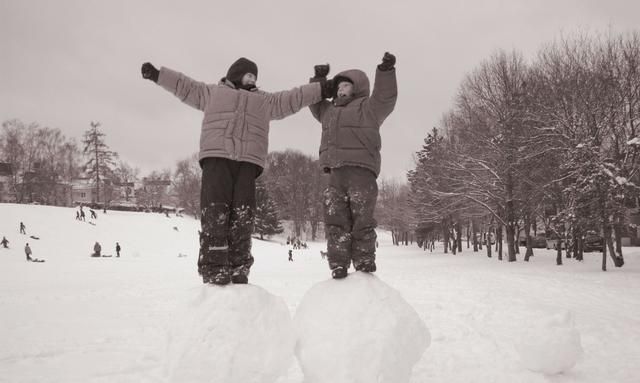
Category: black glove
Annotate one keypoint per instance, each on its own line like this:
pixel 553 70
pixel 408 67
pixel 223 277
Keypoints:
pixel 328 88
pixel 321 70
pixel 150 72
pixel 388 62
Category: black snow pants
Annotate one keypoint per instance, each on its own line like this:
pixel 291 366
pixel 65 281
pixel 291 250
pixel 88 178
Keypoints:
pixel 227 203
pixel 349 203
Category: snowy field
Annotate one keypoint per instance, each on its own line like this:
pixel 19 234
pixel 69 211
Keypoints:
pixel 81 319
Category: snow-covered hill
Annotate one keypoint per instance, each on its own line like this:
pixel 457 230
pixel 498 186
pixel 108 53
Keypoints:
pixel 82 319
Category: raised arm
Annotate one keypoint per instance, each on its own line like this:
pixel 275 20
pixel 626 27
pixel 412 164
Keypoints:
pixel 288 102
pixel 191 92
pixel 320 76
pixel 385 88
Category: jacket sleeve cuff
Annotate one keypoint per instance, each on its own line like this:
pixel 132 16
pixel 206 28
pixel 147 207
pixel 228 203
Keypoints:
pixel 168 79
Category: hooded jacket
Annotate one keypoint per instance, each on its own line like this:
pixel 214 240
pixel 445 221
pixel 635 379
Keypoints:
pixel 236 121
pixel 351 127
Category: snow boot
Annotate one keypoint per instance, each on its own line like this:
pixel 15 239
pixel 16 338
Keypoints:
pixel 216 276
pixel 239 279
pixel 240 274
pixel 339 272
pixel 368 266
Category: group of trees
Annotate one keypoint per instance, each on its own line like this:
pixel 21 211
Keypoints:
pixel 42 160
pixel 39 157
pixel 295 184
pixel 552 143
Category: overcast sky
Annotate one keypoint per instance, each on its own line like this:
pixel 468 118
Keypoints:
pixel 66 63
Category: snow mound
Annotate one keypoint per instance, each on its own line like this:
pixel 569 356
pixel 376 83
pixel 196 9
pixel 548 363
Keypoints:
pixel 357 330
pixel 550 346
pixel 236 333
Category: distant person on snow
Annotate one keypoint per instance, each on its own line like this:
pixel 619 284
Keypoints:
pixel 93 214
pixel 82 216
pixel 27 251
pixel 22 228
pixel 97 249
pixel 233 150
pixel 118 248
pixel 290 255
pixel 77 215
pixel 5 242
pixel 350 155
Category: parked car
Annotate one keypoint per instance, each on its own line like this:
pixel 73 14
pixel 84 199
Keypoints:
pixel 539 241
pixel 552 243
pixel 593 242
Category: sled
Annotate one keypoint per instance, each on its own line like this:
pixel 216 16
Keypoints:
pixel 34 237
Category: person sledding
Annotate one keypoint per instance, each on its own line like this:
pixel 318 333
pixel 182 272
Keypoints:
pixel 28 253
pixel 350 155
pixel 97 249
pixel 233 150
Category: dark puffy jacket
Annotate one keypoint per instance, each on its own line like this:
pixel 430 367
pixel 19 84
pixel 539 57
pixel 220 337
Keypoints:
pixel 351 128
pixel 236 121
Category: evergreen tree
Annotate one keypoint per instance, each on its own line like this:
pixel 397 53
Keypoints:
pixel 266 221
pixel 101 159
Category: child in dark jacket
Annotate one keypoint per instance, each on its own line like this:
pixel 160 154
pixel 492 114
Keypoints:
pixel 350 155
pixel 233 151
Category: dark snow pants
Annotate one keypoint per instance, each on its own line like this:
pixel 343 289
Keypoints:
pixel 349 203
pixel 227 203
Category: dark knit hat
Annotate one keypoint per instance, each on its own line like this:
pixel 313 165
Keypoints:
pixel 238 69
pixel 338 79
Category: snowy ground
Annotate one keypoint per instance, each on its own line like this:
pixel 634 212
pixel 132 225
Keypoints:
pixel 76 318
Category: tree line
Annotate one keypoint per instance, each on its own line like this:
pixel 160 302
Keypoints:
pixel 550 146
pixel 290 188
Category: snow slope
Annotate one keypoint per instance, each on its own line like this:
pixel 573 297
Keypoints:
pixel 81 319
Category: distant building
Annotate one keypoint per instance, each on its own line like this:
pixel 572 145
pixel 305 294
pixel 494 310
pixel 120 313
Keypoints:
pixel 84 191
pixel 123 193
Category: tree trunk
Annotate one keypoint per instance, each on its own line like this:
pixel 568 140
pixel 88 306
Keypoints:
pixel 617 230
pixel 604 257
pixel 580 253
pixel 488 246
pixel 527 232
pixel 605 230
pixel 617 261
pixel 474 232
pixel 511 250
pixel 453 245
pixel 459 236
pixel 499 242
pixel 445 234
pixel 559 251
pixel 468 232
pixel 576 237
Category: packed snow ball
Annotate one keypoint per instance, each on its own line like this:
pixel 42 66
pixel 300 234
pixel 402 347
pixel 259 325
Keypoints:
pixel 551 346
pixel 236 333
pixel 358 330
